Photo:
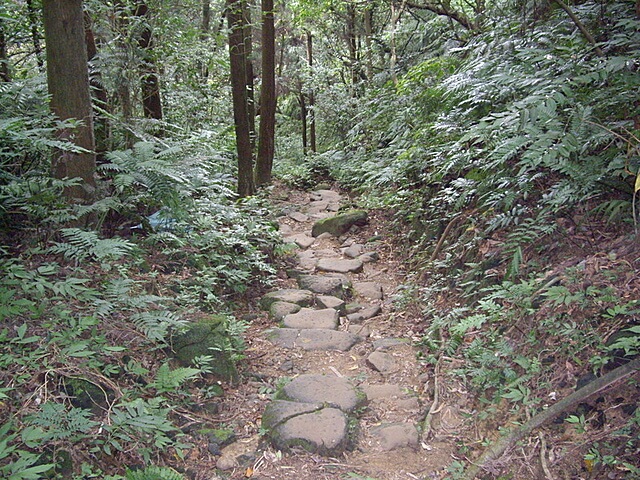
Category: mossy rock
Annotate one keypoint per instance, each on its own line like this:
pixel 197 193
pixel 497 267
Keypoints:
pixel 210 337
pixel 87 395
pixel 339 224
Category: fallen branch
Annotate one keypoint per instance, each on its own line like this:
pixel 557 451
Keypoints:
pixel 508 441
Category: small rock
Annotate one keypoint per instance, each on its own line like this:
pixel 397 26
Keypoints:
pixel 352 308
pixel 394 436
pixel 354 251
pixel 360 331
pixel 301 239
pixel 325 236
pixel 299 217
pixel 369 257
pixel 327 301
pixel 287 366
pixel 370 290
pixel 279 310
pixel 382 362
pixel 232 454
pixel 364 314
pixel 324 284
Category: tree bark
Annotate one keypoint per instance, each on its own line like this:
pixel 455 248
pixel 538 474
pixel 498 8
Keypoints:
pixel 303 118
pixel 247 29
pixel 352 45
pixel 237 57
pixel 149 83
pixel 312 99
pixel 268 99
pixel 368 33
pixel 35 34
pixel 68 81
pixel 444 8
pixel 99 93
pixel 5 74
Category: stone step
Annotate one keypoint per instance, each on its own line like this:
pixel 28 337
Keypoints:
pixel 326 318
pixel 334 285
pixel 312 339
pixel 338 265
pixel 301 297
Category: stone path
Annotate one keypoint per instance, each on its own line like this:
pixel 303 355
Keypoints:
pixel 328 411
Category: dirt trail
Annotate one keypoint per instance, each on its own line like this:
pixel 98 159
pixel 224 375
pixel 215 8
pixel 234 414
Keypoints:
pixel 297 348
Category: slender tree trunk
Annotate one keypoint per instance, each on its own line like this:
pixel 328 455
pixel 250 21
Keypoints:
pixel 150 85
pixel 268 100
pixel 205 29
pixel 312 100
pixel 5 74
pixel 368 32
pixel 99 94
pixel 352 44
pixel 35 34
pixel 303 118
pixel 395 17
pixel 237 57
pixel 247 28
pixel 68 81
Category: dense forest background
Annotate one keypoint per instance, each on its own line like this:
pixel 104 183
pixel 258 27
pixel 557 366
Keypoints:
pixel 500 139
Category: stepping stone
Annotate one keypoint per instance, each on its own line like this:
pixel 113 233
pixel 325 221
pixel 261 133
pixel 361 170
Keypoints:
pixel 370 290
pixel 360 331
pixel 327 301
pixel 394 436
pixel 279 310
pixel 327 195
pixel 353 251
pixel 307 260
pixel 325 236
pixel 339 224
pixel 338 265
pixel 324 389
pixel 310 318
pixel 365 314
pixel 385 390
pixel 299 217
pixel 353 308
pixel 318 339
pixel 285 229
pixel 304 298
pixel 324 284
pixel 317 207
pixel 319 430
pixel 333 207
pixel 312 339
pixel 382 362
pixel 385 343
pixel 301 239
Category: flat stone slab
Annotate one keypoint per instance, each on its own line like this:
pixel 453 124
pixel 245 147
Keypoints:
pixel 307 260
pixel 299 217
pixel 279 310
pixel 327 301
pixel 310 318
pixel 302 240
pixel 324 389
pixel 325 195
pixel 323 431
pixel 360 331
pixel 312 339
pixel 365 314
pixel 339 265
pixel 382 362
pixel 385 343
pixel 324 284
pixel 304 298
pixel 385 390
pixel 370 290
pixel 394 436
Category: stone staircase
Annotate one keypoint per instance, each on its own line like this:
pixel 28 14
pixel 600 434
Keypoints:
pixel 362 396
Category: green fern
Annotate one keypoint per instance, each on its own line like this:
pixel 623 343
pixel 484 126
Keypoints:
pixel 168 380
pixel 153 473
pixel 81 244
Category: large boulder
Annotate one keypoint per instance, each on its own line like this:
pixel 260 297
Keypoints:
pixel 339 224
pixel 209 336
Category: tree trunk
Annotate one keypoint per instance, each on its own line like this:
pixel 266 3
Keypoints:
pixel 35 34
pixel 205 29
pixel 149 83
pixel 368 32
pixel 303 118
pixel 5 74
pixel 99 94
pixel 352 44
pixel 237 57
pixel 68 81
pixel 266 145
pixel 312 100
pixel 247 28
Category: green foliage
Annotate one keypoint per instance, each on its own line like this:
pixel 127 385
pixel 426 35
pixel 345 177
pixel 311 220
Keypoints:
pixel 153 473
pixel 17 464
